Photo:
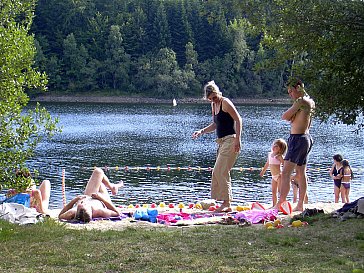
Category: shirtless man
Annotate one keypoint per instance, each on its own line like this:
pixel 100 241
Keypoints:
pixel 299 142
pixel 95 202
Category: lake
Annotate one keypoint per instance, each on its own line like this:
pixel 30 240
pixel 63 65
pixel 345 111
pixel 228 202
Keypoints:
pixel 149 147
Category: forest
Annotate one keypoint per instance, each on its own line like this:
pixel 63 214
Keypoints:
pixel 160 49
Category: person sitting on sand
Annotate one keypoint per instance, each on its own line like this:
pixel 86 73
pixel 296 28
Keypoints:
pixel 39 198
pixel 95 202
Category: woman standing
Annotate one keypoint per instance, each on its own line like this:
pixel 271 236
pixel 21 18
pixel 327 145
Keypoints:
pixel 228 125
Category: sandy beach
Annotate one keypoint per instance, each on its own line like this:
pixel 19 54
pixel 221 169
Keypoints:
pixel 104 225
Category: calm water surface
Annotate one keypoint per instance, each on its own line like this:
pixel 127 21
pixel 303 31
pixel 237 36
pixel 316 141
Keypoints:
pixel 142 135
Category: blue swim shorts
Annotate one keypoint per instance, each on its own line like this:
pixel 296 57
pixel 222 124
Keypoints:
pixel 299 146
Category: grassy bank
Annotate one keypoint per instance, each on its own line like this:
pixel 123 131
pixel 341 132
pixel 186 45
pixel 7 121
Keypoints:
pixel 326 245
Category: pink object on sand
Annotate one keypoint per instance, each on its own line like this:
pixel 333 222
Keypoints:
pixel 257 215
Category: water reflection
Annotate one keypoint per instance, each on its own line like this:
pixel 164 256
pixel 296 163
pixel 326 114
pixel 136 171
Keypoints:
pixel 160 135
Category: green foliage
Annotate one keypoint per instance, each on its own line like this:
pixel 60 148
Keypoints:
pixel 21 130
pixel 107 45
pixel 322 42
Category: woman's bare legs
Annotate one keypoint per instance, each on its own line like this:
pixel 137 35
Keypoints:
pixel 45 189
pixel 41 196
pixel 99 182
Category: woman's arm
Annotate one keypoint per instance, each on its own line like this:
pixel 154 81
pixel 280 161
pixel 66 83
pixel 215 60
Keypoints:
pixel 68 213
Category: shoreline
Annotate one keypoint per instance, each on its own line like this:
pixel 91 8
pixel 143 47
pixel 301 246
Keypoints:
pixel 127 99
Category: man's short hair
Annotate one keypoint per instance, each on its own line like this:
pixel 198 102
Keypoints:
pixel 82 215
pixel 294 82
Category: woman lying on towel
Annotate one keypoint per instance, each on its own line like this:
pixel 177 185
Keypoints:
pixel 95 202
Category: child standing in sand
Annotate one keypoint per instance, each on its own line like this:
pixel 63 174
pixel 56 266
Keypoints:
pixel 274 162
pixel 335 175
pixel 347 175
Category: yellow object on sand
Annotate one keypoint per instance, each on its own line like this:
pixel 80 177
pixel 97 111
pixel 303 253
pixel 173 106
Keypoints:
pixel 277 222
pixel 181 205
pixel 162 204
pixel 297 223
pixel 242 208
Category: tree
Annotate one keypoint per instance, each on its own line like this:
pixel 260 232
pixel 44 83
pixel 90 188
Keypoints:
pixel 161 33
pixel 78 69
pixel 20 131
pixel 321 42
pixel 117 62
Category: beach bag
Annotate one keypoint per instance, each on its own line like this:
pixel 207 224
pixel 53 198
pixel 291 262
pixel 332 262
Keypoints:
pixel 20 198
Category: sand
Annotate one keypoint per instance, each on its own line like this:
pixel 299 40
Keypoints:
pixel 104 225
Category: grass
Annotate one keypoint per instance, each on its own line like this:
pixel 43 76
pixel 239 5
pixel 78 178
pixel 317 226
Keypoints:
pixel 326 245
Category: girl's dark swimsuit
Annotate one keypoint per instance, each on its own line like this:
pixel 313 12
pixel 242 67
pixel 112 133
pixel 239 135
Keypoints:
pixel 335 172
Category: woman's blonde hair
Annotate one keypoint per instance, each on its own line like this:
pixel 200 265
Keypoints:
pixel 210 88
pixel 282 144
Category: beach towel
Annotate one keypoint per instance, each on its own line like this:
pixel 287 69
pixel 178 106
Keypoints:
pixel 256 216
pixel 20 198
pixel 18 214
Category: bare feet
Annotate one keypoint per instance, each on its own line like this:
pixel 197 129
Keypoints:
pixel 277 206
pixel 225 207
pixel 298 208
pixel 115 187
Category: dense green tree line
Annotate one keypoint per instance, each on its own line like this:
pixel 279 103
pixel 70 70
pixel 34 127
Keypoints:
pixel 322 42
pixel 154 48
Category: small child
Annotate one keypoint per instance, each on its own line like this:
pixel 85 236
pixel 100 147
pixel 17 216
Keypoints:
pixel 347 175
pixel 335 175
pixel 274 162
